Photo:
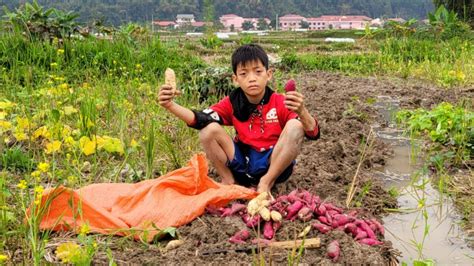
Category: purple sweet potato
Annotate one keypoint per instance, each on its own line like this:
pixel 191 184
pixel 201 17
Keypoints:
pixel 268 231
pixel 282 199
pixel 329 218
pixel 321 227
pixel 380 227
pixel 350 228
pixel 362 224
pixel 293 209
pixel 240 237
pixel 235 208
pixel 305 214
pixel 370 241
pixel 341 219
pixel 251 221
pixel 333 250
pixel 330 206
pixel 361 234
pixel 323 219
pixel 305 196
pixel 321 211
pixel 215 210
pixel 293 196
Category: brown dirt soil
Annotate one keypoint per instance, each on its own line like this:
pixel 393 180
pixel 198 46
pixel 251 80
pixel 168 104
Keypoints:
pixel 325 167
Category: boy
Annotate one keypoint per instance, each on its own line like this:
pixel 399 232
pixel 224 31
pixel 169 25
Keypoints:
pixel 269 126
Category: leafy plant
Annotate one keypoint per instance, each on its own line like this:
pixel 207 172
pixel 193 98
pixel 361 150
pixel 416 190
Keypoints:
pixel 210 83
pixel 211 41
pixel 446 24
pixel 37 22
pixel 446 125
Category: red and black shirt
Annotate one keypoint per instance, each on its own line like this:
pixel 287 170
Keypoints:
pixel 257 125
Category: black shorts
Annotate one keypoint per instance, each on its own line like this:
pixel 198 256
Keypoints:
pixel 249 165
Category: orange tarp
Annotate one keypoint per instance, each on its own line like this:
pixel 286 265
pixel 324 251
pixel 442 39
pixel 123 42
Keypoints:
pixel 140 209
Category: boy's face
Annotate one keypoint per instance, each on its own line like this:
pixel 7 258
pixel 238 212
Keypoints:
pixel 252 77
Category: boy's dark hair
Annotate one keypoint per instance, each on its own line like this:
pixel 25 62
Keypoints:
pixel 248 53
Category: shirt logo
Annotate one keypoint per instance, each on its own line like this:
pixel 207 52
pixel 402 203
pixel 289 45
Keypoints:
pixel 272 116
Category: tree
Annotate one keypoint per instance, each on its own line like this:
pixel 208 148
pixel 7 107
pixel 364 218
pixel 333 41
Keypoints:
pixel 247 25
pixel 464 8
pixel 209 15
pixel 232 28
pixel 262 24
pixel 304 24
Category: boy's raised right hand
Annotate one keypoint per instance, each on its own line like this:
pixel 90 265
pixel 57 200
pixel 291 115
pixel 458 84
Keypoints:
pixel 166 95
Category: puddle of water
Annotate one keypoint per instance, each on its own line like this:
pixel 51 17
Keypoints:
pixel 444 242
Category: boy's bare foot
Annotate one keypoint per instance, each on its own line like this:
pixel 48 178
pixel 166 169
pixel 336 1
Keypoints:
pixel 228 181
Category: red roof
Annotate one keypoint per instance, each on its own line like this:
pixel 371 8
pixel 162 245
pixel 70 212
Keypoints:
pixel 198 24
pixel 164 23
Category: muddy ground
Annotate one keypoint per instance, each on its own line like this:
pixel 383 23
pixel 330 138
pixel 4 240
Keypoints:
pixel 325 167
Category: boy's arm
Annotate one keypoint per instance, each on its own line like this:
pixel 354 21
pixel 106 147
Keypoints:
pixel 182 113
pixel 295 101
pixel 165 99
pixel 309 123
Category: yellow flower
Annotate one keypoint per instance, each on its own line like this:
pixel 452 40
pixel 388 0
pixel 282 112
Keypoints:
pixel 87 145
pixel 70 141
pixel 42 132
pixel 5 125
pixel 39 189
pixel 43 167
pixel 23 123
pixel 3 115
pixel 69 252
pixel 22 185
pixel 460 76
pixel 20 135
pixel 138 66
pixel 54 64
pixel 69 110
pixel 110 144
pixel 63 86
pixel 53 147
pixel 60 51
pixel 35 174
pixel 133 143
pixel 71 180
pixel 3 258
pixel 6 105
pixel 84 229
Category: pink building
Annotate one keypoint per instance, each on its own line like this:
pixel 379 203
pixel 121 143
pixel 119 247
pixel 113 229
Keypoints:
pixel 236 22
pixel 290 22
pixel 339 22
pixel 164 23
pixel 232 21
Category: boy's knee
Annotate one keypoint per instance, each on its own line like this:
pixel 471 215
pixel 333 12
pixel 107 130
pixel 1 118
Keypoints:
pixel 210 132
pixel 295 129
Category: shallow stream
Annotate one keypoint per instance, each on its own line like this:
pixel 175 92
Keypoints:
pixel 420 231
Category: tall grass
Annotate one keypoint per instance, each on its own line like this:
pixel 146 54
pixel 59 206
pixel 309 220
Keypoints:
pixel 79 106
pixel 447 63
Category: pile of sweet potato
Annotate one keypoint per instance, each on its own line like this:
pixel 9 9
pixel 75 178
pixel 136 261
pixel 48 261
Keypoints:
pixel 306 207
